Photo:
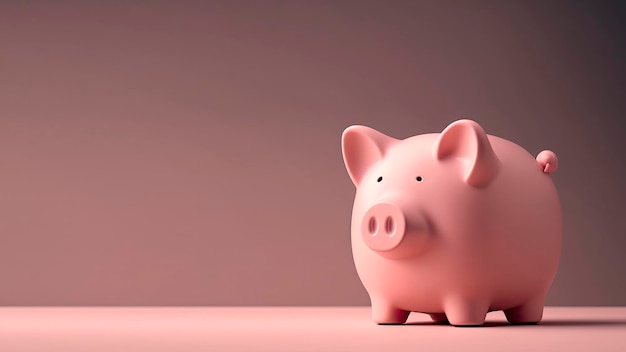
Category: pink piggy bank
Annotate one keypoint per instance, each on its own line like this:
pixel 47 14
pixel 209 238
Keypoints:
pixel 452 224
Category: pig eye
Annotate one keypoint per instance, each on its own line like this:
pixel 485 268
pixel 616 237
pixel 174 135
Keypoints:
pixel 419 178
pixel 379 179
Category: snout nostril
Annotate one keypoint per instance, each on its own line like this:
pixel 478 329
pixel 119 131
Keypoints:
pixel 390 226
pixel 373 226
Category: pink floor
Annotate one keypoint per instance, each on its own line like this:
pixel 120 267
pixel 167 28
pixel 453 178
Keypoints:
pixel 296 329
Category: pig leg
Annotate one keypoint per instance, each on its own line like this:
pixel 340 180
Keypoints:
pixel 527 313
pixel 384 313
pixel 466 312
pixel 439 317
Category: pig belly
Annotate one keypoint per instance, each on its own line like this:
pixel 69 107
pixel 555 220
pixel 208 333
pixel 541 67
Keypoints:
pixel 422 285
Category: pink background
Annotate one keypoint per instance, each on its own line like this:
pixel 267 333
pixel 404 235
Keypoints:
pixel 187 152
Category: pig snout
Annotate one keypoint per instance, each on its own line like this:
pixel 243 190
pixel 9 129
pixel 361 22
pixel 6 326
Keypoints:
pixel 383 227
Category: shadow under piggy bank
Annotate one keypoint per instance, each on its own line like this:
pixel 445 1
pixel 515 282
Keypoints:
pixel 544 323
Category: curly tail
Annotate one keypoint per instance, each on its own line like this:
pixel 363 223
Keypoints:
pixel 548 161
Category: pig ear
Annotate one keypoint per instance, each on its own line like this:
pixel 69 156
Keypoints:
pixel 467 141
pixel 362 148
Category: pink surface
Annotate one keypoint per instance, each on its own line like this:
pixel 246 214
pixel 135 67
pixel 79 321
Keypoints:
pixel 297 329
pixel 455 224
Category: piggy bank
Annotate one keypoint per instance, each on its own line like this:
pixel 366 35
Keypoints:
pixel 452 224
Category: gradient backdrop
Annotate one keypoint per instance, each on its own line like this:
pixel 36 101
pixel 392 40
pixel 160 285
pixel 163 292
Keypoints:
pixel 188 152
